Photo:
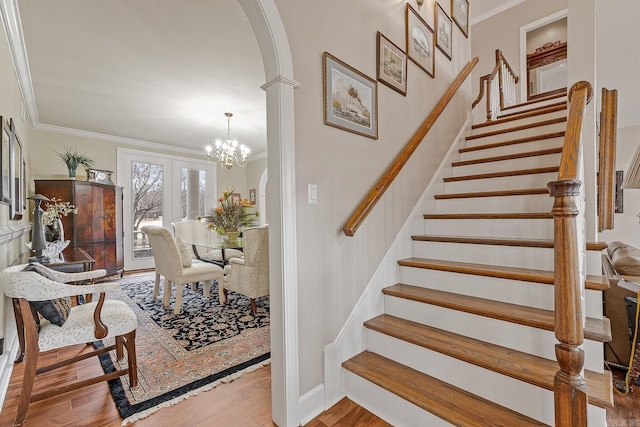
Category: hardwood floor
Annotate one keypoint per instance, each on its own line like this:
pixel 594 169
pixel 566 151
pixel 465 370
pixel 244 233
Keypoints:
pixel 245 402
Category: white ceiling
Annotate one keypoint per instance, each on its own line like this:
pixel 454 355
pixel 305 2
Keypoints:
pixel 159 71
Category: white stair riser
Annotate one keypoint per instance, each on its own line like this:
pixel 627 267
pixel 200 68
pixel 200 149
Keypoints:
pixel 543 144
pixel 519 337
pixel 508 165
pixel 538 104
pixel 532 294
pixel 516 228
pixel 536 130
pixel 388 406
pixel 508 256
pixel 503 390
pixel 520 121
pixel 504 204
pixel 537 180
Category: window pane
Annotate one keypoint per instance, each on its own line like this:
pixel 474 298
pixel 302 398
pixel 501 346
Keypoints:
pixel 192 193
pixel 146 189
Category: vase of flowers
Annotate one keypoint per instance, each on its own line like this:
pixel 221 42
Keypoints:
pixel 52 218
pixel 229 218
pixel 72 158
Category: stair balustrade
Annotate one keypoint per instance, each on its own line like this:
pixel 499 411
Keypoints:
pixel 570 391
pixel 375 194
pixel 500 87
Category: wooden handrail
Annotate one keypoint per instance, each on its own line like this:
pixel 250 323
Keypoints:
pixel 488 80
pixel 499 55
pixel 607 159
pixel 483 82
pixel 570 391
pixel 368 203
pixel 501 60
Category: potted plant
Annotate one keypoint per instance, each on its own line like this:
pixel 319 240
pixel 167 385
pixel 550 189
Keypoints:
pixel 73 158
pixel 229 218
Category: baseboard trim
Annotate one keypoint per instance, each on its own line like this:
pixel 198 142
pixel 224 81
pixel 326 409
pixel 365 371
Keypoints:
pixel 6 364
pixel 311 404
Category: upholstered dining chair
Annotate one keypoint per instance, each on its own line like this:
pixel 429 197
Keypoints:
pixel 249 275
pixel 177 266
pixel 37 293
pixel 204 241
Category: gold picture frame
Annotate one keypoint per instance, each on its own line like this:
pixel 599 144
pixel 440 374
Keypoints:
pixel 420 41
pixel 460 15
pixel 392 64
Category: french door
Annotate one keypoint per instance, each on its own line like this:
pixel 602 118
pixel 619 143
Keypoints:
pixel 158 190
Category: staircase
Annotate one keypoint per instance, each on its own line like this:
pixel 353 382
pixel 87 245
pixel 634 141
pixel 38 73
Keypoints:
pixel 467 336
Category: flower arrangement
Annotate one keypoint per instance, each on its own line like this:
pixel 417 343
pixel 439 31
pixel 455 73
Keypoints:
pixel 72 158
pixel 230 217
pixel 56 209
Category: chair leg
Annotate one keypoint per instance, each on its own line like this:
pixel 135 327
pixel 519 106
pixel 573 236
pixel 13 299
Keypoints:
pixel 253 306
pixel 119 347
pixel 156 286
pixel 166 298
pixel 207 289
pixel 178 306
pixel 130 345
pixel 31 363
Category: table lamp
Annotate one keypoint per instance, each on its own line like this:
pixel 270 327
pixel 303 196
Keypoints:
pixel 38 240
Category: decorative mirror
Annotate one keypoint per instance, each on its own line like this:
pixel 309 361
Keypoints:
pixel 547 70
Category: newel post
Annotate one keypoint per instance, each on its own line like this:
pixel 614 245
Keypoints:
pixel 570 391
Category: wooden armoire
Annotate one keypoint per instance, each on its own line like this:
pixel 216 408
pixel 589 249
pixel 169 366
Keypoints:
pixel 97 227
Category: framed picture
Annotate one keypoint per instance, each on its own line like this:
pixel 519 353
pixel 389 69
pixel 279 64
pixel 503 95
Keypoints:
pixel 443 31
pixel 252 196
pixel 460 15
pixel 235 199
pixel 15 168
pixel 619 202
pixel 392 65
pixel 420 41
pixel 350 98
pixel 5 140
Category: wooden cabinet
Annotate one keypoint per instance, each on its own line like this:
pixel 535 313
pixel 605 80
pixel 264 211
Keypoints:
pixel 97 227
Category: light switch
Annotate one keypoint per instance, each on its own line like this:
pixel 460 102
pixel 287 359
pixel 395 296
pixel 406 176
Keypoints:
pixel 312 193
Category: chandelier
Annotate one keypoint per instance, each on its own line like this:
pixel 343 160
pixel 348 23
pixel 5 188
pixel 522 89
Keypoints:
pixel 229 151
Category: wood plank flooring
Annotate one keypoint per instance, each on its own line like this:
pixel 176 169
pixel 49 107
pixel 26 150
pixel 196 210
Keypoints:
pixel 245 402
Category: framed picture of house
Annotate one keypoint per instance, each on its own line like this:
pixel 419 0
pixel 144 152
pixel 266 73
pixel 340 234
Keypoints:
pixel 460 15
pixel 443 31
pixel 419 41
pixel 350 98
pixel 392 65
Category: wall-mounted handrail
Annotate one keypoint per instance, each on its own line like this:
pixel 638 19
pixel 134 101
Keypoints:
pixel 368 203
pixel 570 391
pixel 607 159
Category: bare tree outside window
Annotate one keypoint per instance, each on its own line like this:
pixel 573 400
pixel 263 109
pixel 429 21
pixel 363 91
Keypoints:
pixel 146 183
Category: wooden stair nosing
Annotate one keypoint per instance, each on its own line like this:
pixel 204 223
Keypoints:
pixel 496 215
pixel 534 101
pixel 542 137
pixel 450 403
pixel 519 172
pixel 596 283
pixel 520 155
pixel 501 241
pixel 517 128
pixel 521 115
pixel 499 193
pixel 595 329
pixel 516 364
pixel 501 116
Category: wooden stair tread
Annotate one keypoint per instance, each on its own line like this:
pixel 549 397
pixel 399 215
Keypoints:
pixel 522 366
pixel 513 142
pixel 550 169
pixel 450 403
pixel 596 283
pixel 496 215
pixel 521 155
pixel 498 193
pixel 535 101
pixel 595 329
pixel 522 115
pixel 517 128
pixel 500 116
pixel 501 241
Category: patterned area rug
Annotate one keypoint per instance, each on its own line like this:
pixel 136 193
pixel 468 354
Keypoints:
pixel 185 354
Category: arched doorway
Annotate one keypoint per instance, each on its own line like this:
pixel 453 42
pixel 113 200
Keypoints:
pixel 267 25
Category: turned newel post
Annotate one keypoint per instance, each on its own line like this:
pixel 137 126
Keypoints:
pixel 570 391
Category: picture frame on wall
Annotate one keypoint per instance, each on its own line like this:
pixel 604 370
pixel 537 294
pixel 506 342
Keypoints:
pixel 15 167
pixel 460 15
pixel 5 142
pixel 350 98
pixel 420 41
pixel 443 31
pixel 235 199
pixel 619 200
pixel 392 64
pixel 252 196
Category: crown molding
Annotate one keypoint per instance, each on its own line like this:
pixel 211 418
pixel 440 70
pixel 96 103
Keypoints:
pixel 280 79
pixel 495 11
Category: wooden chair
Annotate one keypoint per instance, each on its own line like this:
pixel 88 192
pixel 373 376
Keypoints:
pixel 84 324
pixel 176 268
pixel 249 275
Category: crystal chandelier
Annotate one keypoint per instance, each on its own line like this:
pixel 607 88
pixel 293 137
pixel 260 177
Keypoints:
pixel 229 151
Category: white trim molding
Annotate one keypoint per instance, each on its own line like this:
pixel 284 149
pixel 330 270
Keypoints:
pixel 496 10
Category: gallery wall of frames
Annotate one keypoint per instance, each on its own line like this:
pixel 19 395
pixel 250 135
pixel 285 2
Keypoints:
pixel 13 189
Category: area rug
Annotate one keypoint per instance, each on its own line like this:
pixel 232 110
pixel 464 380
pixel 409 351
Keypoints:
pixel 188 353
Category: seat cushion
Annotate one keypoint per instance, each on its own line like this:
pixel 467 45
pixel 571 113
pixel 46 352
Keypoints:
pixel 79 327
pixel 626 260
pixel 55 310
